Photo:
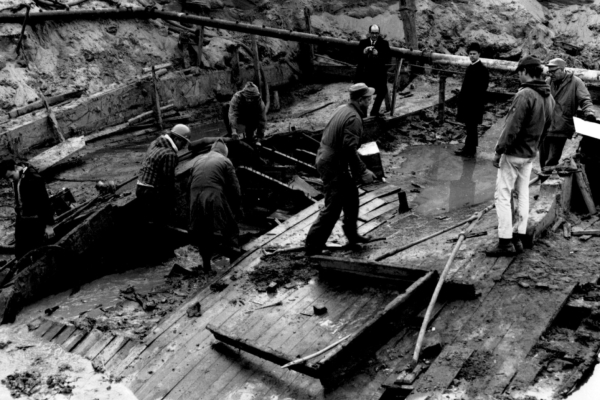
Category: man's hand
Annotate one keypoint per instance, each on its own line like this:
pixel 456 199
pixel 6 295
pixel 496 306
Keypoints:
pixel 235 135
pixel 375 51
pixel 590 117
pixel 496 161
pixel 367 177
pixel 49 233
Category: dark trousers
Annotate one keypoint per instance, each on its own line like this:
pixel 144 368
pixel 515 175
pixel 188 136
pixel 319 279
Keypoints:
pixel 380 93
pixel 341 194
pixel 29 234
pixel 551 150
pixel 472 140
pixel 155 209
pixel 592 170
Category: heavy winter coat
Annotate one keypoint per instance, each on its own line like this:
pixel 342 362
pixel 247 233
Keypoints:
pixel 569 94
pixel 214 196
pixel 339 145
pixel 528 118
pixel 472 96
pixel 372 69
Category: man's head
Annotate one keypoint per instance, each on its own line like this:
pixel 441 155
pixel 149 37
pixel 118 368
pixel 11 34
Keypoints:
pixel 250 91
pixel 529 68
pixel 361 95
pixel 474 51
pixel 220 147
pixel 556 68
pixel 374 32
pixel 180 134
pixel 9 170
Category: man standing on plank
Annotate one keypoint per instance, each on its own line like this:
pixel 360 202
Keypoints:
pixel 339 165
pixel 528 118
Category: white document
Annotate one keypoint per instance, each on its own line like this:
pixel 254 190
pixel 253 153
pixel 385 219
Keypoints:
pixel 587 128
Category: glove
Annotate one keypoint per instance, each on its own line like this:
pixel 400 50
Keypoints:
pixel 591 118
pixel 367 177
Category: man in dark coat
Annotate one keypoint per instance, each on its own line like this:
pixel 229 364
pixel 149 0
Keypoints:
pixel 374 54
pixel 35 216
pixel 339 165
pixel 471 100
pixel 570 93
pixel 247 113
pixel 528 119
pixel 215 201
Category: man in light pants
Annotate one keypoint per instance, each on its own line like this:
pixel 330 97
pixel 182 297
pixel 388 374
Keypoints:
pixel 528 119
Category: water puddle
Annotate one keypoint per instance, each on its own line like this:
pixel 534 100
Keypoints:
pixel 452 182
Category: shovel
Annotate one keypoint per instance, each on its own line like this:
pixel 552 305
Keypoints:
pixel 59 152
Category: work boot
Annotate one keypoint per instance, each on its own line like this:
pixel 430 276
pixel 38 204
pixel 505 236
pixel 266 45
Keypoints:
pixel 312 251
pixel 504 248
pixel 518 243
pixel 465 152
pixel 358 239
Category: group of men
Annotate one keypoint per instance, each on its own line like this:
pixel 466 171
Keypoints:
pixel 540 118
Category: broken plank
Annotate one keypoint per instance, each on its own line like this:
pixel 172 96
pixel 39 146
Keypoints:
pixel 380 211
pixel 267 354
pixel 583 232
pixel 121 364
pixel 57 153
pixel 100 345
pixel 56 328
pixel 110 350
pixel 87 343
pixel 44 327
pixel 74 340
pixel 444 369
pixel 367 268
pixel 286 157
pixel 64 335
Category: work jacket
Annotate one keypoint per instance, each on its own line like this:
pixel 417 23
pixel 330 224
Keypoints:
pixel 528 119
pixel 158 167
pixel 569 94
pixel 215 195
pixel 247 111
pixel 338 152
pixel 472 96
pixel 31 197
pixel 372 69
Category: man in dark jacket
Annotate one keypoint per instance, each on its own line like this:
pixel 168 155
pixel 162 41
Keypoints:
pixel 569 92
pixel 374 54
pixel 156 181
pixel 35 216
pixel 471 100
pixel 247 113
pixel 528 119
pixel 338 163
pixel 215 200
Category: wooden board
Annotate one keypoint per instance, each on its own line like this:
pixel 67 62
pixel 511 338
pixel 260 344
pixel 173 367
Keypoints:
pixel 57 153
pixel 368 268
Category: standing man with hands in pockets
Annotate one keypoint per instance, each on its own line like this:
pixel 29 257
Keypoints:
pixel 339 166
pixel 374 54
pixel 528 118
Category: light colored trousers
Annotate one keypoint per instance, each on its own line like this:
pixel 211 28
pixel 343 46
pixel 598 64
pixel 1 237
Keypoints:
pixel 514 174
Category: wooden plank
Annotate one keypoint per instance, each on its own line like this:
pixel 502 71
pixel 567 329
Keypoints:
pixel 381 210
pixel 87 343
pixel 64 335
pixel 74 339
pixel 109 351
pixel 120 355
pixel 44 327
pixel 583 232
pixel 134 352
pixel 267 354
pixel 100 345
pixel 348 354
pixel 57 153
pixel 368 268
pixel 51 333
pixel 444 369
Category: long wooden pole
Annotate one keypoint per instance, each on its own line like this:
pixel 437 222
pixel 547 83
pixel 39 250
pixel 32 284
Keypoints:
pixel 395 86
pixel 407 11
pixel 143 13
pixel 436 292
pixel 311 51
pixel 442 99
pixel 157 100
pixel 257 77
pixel 23 30
pixel 200 44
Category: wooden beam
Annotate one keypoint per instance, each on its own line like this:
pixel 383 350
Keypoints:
pixel 407 11
pixel 584 188
pixel 290 158
pixel 395 86
pixel 584 232
pixel 368 268
pixel 257 77
pixel 266 354
pixel 311 51
pixel 157 109
pixel 36 105
pixel 200 44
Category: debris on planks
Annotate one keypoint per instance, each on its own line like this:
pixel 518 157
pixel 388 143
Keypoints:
pixel 319 309
pixel 194 311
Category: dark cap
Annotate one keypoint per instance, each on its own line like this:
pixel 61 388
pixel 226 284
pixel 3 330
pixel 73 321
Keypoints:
pixel 557 63
pixel 474 47
pixel 528 60
pixel 359 90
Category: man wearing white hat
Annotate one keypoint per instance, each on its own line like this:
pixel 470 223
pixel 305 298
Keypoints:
pixel 156 181
pixel 339 166
pixel 569 92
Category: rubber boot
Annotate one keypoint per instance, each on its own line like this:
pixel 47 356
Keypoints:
pixel 504 248
pixel 517 241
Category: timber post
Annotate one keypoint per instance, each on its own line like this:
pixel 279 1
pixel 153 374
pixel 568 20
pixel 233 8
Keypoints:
pixel 407 12
pixel 257 77
pixel 395 86
pixel 156 100
pixel 442 99
pixel 23 30
pixel 200 44
pixel 235 65
pixel 311 50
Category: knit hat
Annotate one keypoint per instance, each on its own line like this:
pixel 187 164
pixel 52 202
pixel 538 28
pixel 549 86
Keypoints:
pixel 557 63
pixel 182 132
pixel 250 91
pixel 220 147
pixel 528 60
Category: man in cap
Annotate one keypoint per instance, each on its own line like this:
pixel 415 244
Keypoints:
pixel 471 99
pixel 569 92
pixel 247 113
pixel 32 205
pixel 156 180
pixel 528 119
pixel 374 54
pixel 215 201
pixel 339 166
